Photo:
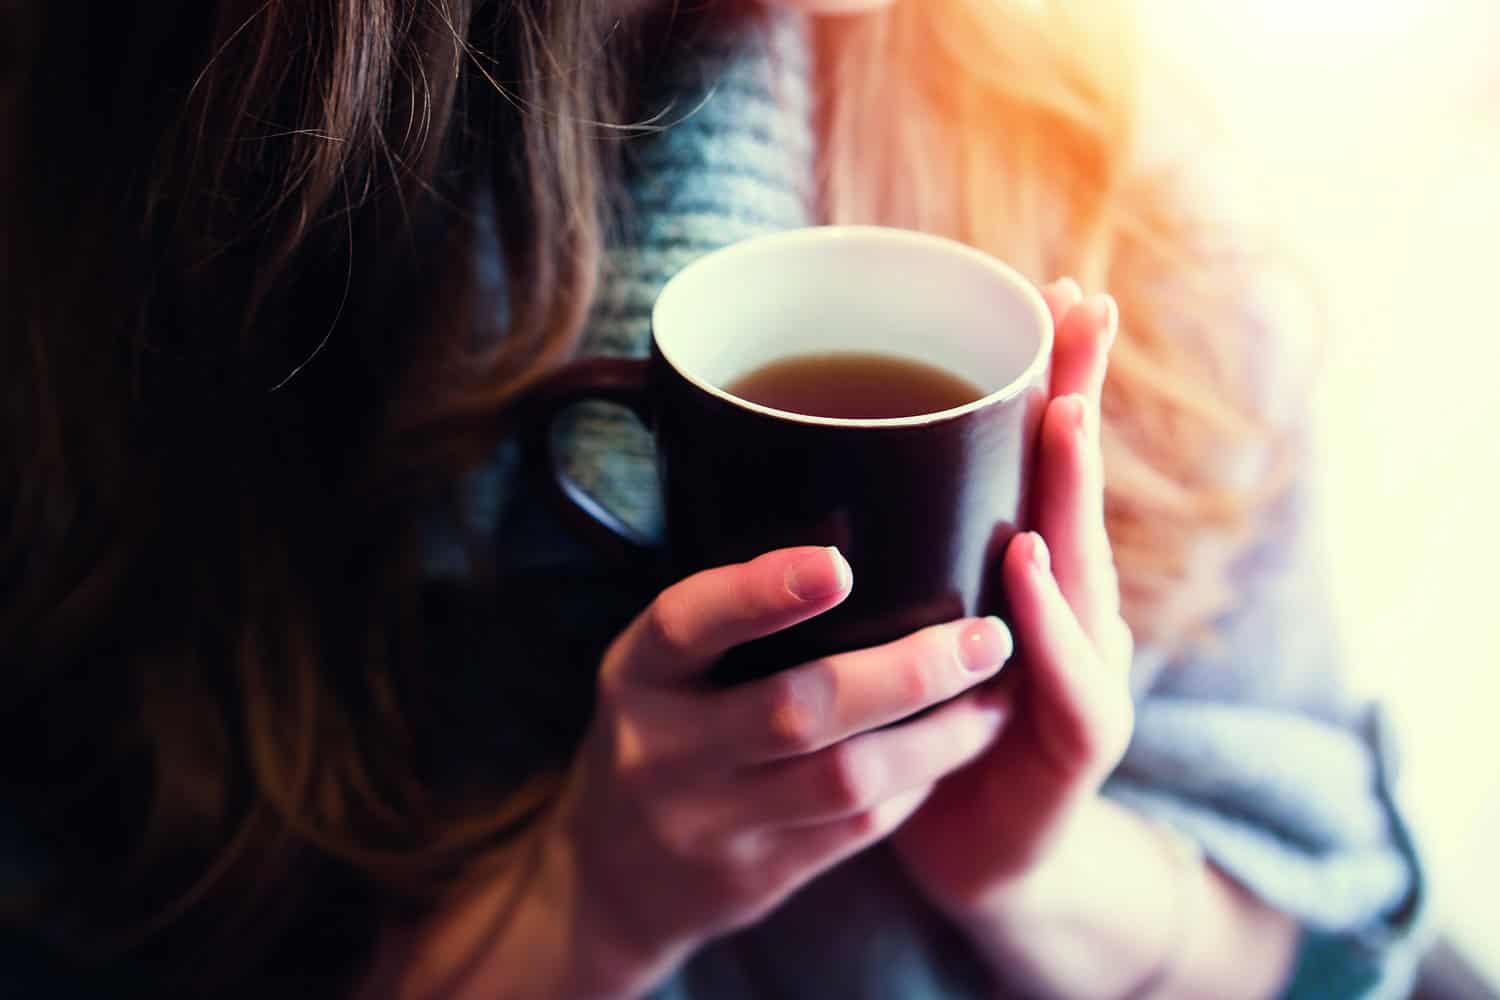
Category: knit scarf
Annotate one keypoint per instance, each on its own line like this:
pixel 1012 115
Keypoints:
pixel 734 159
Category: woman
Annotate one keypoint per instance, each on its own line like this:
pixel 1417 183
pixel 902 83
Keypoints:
pixel 307 693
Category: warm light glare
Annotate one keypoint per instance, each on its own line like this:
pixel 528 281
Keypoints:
pixel 1378 125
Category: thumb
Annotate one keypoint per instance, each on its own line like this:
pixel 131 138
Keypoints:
pixel 693 623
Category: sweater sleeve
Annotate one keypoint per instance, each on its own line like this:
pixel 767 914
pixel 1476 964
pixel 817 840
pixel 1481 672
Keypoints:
pixel 1258 749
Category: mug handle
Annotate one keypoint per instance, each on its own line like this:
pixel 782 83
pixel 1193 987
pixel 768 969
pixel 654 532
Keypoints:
pixel 622 381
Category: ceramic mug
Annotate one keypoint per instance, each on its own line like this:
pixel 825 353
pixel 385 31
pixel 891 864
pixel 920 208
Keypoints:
pixel 922 506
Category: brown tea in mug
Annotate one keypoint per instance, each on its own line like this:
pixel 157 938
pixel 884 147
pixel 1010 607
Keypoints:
pixel 855 386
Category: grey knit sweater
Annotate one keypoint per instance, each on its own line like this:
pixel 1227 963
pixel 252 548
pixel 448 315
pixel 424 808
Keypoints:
pixel 1257 752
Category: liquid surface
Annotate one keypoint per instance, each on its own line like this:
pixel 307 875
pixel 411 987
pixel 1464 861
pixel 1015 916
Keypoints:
pixel 855 386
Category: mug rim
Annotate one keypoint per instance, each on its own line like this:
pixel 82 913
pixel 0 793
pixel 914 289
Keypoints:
pixel 1025 291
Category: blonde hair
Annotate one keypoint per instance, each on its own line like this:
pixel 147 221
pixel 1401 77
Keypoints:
pixel 1013 125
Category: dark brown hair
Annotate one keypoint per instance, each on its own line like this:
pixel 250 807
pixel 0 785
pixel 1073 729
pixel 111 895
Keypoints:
pixel 242 348
pixel 237 309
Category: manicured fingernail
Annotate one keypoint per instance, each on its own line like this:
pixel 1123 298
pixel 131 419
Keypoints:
pixel 1040 557
pixel 819 576
pixel 1108 312
pixel 984 644
pixel 1068 286
pixel 1080 412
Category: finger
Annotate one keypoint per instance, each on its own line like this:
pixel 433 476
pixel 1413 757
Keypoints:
pixel 1070 479
pixel 1084 710
pixel 792 857
pixel 807 708
pixel 1061 296
pixel 1080 353
pixel 693 623
pixel 824 845
pixel 859 774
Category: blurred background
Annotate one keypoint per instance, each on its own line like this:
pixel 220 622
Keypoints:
pixel 1373 129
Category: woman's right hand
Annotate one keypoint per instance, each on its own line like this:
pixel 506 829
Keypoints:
pixel 691 811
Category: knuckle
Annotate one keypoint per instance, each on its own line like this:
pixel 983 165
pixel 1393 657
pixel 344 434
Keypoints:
pixel 799 701
pixel 915 677
pixel 669 621
pixel 676 834
pixel 851 779
pixel 739 883
pixel 633 760
pixel 609 685
pixel 864 824
pixel 793 729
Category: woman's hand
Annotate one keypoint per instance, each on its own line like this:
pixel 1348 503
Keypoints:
pixel 1066 893
pixel 691 812
pixel 1068 708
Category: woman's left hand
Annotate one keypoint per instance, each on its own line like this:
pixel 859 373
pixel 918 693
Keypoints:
pixel 990 827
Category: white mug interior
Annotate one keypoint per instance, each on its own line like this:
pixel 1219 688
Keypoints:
pixel 866 289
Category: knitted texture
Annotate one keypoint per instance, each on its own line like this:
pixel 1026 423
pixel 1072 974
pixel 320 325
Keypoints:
pixel 735 161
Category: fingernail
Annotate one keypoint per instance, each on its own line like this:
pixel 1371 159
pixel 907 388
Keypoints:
pixel 1109 316
pixel 1069 286
pixel 819 576
pixel 1080 412
pixel 984 645
pixel 1040 557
